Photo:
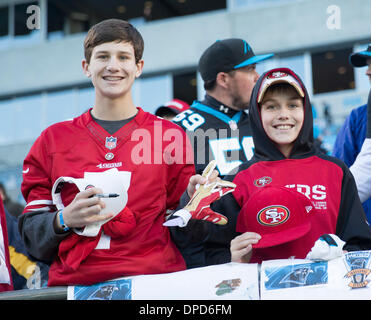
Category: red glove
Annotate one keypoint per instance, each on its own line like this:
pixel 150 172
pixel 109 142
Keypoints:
pixel 199 205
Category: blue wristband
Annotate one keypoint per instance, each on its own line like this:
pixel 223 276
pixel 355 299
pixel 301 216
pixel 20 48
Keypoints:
pixel 61 221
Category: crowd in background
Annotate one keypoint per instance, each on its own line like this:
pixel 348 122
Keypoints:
pixel 30 273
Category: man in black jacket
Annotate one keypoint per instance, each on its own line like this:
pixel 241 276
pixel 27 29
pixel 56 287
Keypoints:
pixel 218 126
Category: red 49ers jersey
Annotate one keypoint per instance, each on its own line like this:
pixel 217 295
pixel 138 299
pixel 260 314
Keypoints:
pixel 323 188
pixel 159 158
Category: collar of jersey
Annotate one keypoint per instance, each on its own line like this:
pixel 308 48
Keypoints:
pixel 220 115
pixel 99 134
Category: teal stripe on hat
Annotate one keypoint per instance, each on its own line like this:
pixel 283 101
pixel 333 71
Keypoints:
pixel 254 59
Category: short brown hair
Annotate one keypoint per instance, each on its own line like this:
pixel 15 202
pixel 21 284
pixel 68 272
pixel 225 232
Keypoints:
pixel 113 30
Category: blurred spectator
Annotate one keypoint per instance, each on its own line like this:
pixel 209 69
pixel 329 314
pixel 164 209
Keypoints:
pixel 26 273
pixel 14 208
pixel 6 283
pixel 170 109
pixel 318 140
pixel 327 114
pixel 361 168
pixel 352 134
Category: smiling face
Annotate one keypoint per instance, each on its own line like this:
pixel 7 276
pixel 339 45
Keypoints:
pixel 112 69
pixel 282 116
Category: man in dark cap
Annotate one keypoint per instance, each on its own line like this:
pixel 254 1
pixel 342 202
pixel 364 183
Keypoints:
pixel 218 126
pixel 360 59
pixel 352 134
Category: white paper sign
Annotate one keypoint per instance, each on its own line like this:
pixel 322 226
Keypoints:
pixel 110 181
pixel 231 281
pixel 343 278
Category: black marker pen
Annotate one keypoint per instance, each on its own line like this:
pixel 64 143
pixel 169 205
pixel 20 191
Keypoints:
pixel 107 195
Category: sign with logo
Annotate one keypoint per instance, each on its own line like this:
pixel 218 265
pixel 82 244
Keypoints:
pixel 358 264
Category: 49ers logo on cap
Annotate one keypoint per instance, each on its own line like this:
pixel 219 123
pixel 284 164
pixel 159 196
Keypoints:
pixel 273 215
pixel 263 181
pixel 277 74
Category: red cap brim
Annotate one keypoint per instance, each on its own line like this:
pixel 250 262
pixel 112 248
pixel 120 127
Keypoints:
pixel 277 238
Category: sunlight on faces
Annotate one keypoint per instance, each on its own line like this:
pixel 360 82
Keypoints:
pixel 113 69
pixel 282 115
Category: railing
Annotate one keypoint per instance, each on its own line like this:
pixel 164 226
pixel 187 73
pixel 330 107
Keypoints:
pixel 52 293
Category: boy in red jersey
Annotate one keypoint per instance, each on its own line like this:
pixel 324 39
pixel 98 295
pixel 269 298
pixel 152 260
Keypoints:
pixel 114 134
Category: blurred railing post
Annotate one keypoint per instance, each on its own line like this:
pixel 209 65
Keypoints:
pixel 52 293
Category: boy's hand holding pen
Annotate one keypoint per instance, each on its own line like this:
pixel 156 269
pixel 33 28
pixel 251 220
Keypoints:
pixel 106 195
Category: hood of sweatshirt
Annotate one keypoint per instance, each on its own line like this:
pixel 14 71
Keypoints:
pixel 265 148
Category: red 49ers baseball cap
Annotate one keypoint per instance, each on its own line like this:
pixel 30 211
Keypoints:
pixel 176 106
pixel 278 214
pixel 278 76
